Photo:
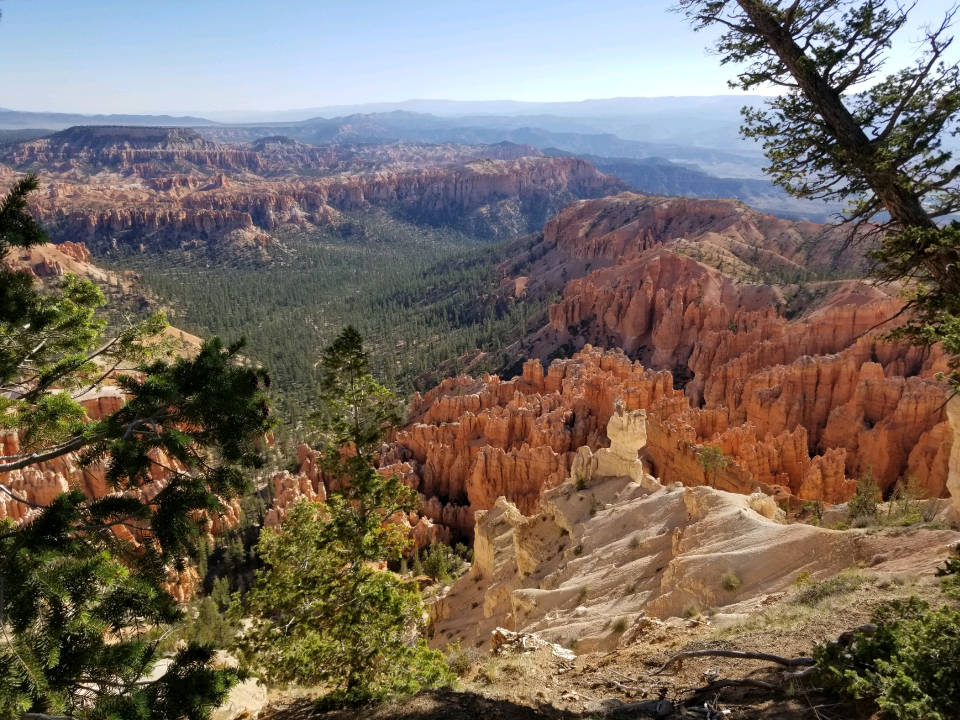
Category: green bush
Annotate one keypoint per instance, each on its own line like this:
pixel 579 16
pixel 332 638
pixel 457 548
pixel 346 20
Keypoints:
pixel 205 625
pixel 862 507
pixel 950 573
pixel 438 561
pixel 905 507
pixel 907 666
pixel 811 593
pixel 730 581
pixel 815 509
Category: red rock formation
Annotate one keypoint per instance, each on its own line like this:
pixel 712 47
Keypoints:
pixel 792 381
pixel 472 441
pixel 307 484
pixel 39 484
pixel 170 187
pixel 310 484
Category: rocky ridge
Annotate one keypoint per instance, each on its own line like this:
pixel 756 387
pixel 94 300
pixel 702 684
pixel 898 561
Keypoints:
pixel 612 553
pixel 726 326
pixel 163 187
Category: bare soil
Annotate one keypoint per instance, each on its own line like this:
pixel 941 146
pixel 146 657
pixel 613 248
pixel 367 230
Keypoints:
pixel 615 683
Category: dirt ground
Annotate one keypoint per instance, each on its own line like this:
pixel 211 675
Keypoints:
pixel 623 683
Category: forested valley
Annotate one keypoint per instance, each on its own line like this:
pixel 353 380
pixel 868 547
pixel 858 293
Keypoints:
pixel 426 299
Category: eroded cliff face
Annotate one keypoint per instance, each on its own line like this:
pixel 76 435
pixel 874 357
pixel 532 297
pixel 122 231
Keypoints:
pixel 772 357
pixel 475 440
pixel 471 441
pixel 612 552
pixel 162 188
pixel 727 326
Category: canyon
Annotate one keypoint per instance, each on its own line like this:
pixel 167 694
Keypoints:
pixel 731 328
pixel 162 188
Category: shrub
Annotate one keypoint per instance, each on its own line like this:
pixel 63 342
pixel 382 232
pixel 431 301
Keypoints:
pixel 464 551
pixel 815 509
pixel 905 507
pixel 634 542
pixel 907 666
pixel 815 592
pixel 620 625
pixel 863 505
pixel 459 660
pixel 438 561
pixel 712 460
pixel 730 581
pixel 950 572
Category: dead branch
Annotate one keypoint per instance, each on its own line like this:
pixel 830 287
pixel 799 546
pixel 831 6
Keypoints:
pixel 726 682
pixel 737 655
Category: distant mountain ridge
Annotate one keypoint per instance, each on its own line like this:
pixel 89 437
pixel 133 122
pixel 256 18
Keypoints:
pixel 658 176
pixel 321 146
pixel 573 108
pixel 19 119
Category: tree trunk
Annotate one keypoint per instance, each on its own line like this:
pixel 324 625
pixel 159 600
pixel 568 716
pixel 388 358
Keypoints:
pixel 889 184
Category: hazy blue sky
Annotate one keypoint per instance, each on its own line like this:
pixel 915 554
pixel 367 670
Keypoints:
pixel 196 55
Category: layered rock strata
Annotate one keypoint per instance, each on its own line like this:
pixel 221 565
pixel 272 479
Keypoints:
pixel 731 328
pixel 162 187
pixel 608 558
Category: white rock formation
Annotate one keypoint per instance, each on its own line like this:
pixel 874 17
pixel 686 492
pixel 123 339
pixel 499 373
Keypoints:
pixel 953 475
pixel 611 552
pixel 627 431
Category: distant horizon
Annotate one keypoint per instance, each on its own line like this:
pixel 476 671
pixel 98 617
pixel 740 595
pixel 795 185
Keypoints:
pixel 116 56
pixel 383 104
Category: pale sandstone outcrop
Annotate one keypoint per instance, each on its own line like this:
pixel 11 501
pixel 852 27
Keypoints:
pixel 615 553
pixel 953 480
pixel 627 432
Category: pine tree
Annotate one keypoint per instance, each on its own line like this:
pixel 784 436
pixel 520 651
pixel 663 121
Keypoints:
pixel 323 611
pixel 842 131
pixel 712 460
pixel 81 608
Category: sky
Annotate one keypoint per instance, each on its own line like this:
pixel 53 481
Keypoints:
pixel 135 56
